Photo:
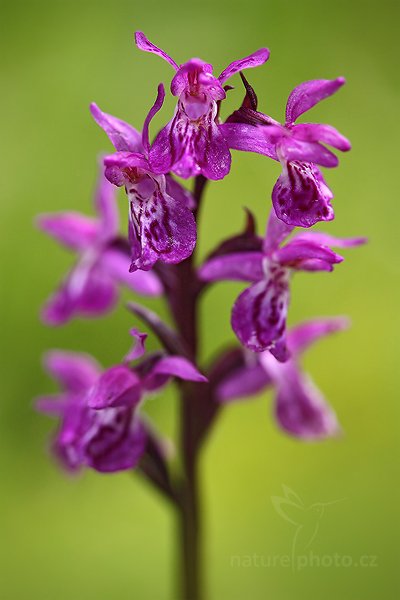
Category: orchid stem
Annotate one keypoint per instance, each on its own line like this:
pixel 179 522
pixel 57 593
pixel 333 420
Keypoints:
pixel 184 304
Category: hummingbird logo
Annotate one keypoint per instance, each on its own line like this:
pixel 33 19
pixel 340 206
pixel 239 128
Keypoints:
pixel 306 519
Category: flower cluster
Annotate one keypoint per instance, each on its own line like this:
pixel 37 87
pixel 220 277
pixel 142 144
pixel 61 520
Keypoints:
pixel 101 422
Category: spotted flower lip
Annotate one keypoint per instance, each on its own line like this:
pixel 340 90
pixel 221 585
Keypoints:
pixel 161 224
pixel 192 143
pixel 90 289
pixel 100 425
pixel 299 407
pixel 259 313
pixel 300 196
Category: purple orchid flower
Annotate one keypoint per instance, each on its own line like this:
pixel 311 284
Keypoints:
pixel 300 196
pixel 161 224
pixel 100 423
pixel 90 289
pixel 300 408
pixel 192 143
pixel 106 440
pixel 259 313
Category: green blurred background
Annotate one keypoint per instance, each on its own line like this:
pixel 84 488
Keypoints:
pixel 100 537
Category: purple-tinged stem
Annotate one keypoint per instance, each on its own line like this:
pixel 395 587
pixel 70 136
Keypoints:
pixel 184 305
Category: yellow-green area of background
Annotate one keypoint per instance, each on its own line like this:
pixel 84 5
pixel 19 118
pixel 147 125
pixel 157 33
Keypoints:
pixel 101 537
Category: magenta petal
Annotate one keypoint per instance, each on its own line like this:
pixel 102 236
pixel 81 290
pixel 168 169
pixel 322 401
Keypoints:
pixel 71 229
pixel 107 209
pixel 98 295
pixel 123 136
pixel 163 154
pixel 310 132
pixel 249 138
pixel 238 266
pixel 87 291
pixel 75 372
pixel 310 152
pixel 117 441
pixel 324 239
pixel 212 153
pixel 68 457
pixel 119 165
pixel 153 111
pixel 244 382
pixel 280 350
pixel 53 406
pixel 302 411
pixel 304 335
pixel 309 93
pixel 253 60
pixel 144 44
pixel 177 191
pixel 196 70
pixel 276 232
pixel 117 386
pixel 301 196
pixel 59 308
pixel 139 346
pixel 178 366
pixel 298 251
pixel 116 164
pixel 116 263
pixel 259 316
pixel 172 366
pixel 313 265
pixel 139 256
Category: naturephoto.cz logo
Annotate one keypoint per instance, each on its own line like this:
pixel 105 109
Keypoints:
pixel 305 520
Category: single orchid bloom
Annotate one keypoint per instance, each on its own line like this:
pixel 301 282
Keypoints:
pixel 99 410
pixel 259 313
pixel 90 289
pixel 161 224
pixel 299 406
pixel 300 196
pixel 192 142
pixel 108 440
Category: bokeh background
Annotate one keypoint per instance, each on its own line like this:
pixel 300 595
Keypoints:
pixel 100 537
